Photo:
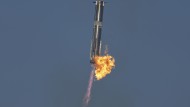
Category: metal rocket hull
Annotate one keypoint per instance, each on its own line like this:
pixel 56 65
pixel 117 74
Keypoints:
pixel 97 30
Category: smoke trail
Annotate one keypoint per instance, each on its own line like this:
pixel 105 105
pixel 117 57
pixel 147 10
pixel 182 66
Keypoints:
pixel 88 92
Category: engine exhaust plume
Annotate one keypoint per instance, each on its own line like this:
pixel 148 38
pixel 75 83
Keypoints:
pixel 88 92
pixel 103 65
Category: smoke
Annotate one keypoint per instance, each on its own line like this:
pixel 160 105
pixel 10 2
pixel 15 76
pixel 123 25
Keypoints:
pixel 88 92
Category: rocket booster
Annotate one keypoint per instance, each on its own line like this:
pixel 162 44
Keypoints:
pixel 97 30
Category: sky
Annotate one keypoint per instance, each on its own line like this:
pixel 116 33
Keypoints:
pixel 45 48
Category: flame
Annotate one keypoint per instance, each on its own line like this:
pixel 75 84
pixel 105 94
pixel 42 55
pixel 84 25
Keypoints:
pixel 103 65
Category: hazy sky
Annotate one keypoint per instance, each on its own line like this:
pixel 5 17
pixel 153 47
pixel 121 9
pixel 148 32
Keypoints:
pixel 45 45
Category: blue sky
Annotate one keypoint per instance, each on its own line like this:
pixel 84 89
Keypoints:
pixel 45 45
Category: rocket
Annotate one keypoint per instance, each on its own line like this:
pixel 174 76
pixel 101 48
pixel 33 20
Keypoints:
pixel 95 49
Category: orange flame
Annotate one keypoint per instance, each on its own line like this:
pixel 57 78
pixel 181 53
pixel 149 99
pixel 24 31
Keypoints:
pixel 103 65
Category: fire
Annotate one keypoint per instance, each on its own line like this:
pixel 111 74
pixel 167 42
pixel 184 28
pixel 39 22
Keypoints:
pixel 103 65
